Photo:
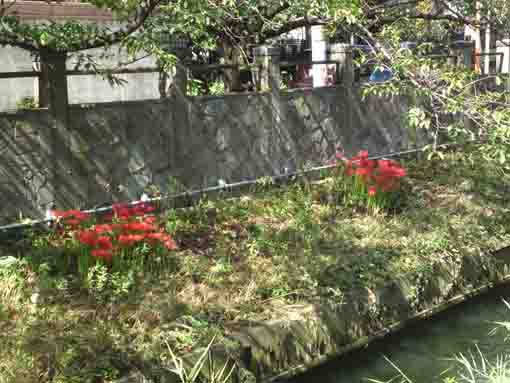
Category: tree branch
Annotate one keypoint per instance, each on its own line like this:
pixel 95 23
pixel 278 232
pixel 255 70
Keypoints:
pixel 16 43
pixel 276 11
pixel 291 25
pixel 99 40
pixel 371 12
pixel 141 16
pixel 4 8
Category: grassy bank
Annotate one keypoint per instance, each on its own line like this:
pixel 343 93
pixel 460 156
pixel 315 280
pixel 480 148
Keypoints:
pixel 239 261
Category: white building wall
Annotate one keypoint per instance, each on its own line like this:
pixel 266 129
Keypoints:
pixel 82 89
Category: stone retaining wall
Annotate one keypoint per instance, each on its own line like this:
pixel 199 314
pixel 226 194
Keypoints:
pixel 312 334
pixel 113 152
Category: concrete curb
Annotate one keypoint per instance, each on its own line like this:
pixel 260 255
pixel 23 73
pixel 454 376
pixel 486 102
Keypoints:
pixel 315 333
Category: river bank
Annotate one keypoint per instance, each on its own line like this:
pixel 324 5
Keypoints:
pixel 284 278
pixel 425 351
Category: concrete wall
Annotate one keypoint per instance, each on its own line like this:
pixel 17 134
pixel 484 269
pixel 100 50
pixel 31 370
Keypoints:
pixel 82 89
pixel 114 151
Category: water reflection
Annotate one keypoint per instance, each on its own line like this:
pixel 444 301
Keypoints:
pixel 420 351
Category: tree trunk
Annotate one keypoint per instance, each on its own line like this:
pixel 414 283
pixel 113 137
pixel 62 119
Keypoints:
pixel 163 83
pixel 54 84
pixel 53 68
pixel 232 77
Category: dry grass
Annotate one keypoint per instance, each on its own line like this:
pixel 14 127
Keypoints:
pixel 242 260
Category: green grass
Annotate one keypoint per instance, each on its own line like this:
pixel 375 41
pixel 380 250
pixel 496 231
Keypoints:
pixel 242 260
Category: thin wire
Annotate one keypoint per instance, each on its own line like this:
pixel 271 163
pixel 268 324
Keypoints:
pixel 201 192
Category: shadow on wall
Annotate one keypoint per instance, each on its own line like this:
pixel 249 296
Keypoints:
pixel 115 152
pixel 25 164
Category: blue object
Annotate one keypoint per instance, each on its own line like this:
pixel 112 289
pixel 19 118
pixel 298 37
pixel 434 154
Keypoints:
pixel 380 75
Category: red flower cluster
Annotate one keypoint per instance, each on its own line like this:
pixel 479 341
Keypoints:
pixel 380 175
pixel 126 211
pixel 126 227
pixel 71 218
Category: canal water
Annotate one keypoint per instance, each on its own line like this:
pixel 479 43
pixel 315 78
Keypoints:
pixel 422 350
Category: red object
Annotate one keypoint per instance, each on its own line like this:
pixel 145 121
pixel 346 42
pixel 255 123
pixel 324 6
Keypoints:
pixel 380 174
pixel 102 253
pixel 130 239
pixel 87 237
pixel 139 226
pixel 103 238
pixel 72 218
pixel 170 244
pixel 160 236
pixel 103 228
pixel 105 243
pixel 124 211
pixel 150 219
pixel 73 222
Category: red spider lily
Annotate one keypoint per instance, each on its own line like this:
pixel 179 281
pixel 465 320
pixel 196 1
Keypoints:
pixel 371 164
pixel 389 185
pixel 362 156
pixel 143 208
pixel 386 182
pixel 163 238
pixel 349 171
pixel 116 207
pixel 367 172
pixel 150 219
pixel 386 163
pixel 130 239
pixel 73 222
pixel 104 243
pixel 384 173
pixel 71 214
pixel 102 253
pixel 381 179
pixel 138 211
pixel 392 171
pixel 362 160
pixel 372 191
pixel 170 244
pixel 363 165
pixel 103 240
pixel 160 236
pixel 124 214
pixel 72 218
pixel 87 237
pixel 108 217
pixel 136 237
pixel 138 226
pixel 104 228
pixel 122 210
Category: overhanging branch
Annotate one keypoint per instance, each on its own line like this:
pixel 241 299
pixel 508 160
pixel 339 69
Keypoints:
pixel 142 14
pixel 291 25
pixel 146 8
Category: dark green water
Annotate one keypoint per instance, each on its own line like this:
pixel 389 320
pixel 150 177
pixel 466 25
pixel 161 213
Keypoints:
pixel 420 351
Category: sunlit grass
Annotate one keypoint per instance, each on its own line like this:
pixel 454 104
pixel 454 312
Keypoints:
pixel 239 260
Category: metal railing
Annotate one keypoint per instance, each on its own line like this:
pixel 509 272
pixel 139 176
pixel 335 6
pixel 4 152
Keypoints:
pixel 495 54
pixel 192 197
pixel 27 74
